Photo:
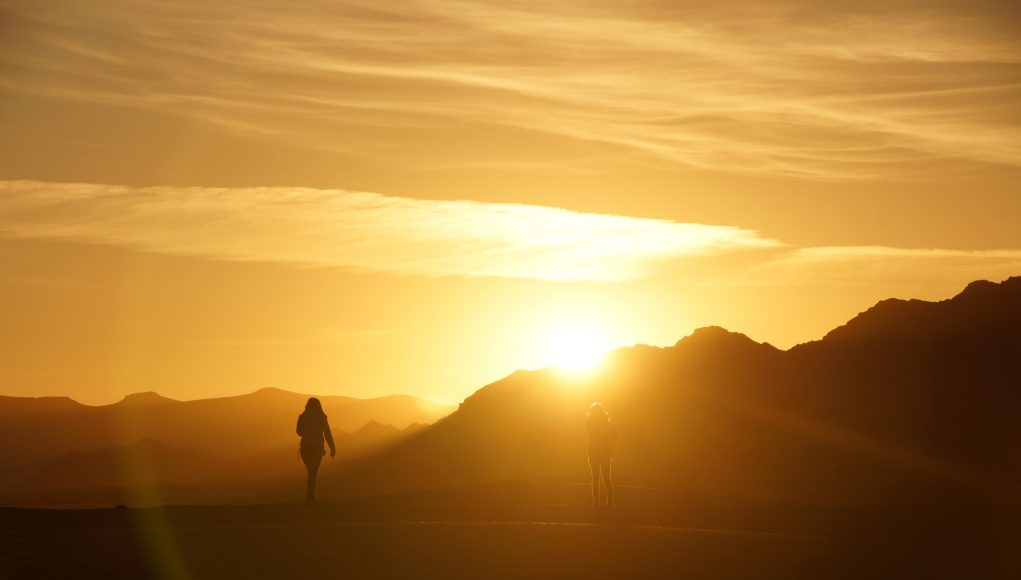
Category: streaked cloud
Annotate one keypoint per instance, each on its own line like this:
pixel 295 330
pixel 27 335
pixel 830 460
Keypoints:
pixel 361 231
pixel 869 264
pixel 834 91
pixel 370 232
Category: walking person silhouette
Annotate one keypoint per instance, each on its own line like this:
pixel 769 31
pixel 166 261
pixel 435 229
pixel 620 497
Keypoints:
pixel 313 428
pixel 601 435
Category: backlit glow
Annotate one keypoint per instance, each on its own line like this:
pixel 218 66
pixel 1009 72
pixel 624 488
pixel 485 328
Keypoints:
pixel 575 349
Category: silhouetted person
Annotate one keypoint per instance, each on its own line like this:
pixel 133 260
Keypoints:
pixel 601 434
pixel 313 428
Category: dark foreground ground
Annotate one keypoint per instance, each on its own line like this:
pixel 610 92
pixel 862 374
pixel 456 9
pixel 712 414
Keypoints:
pixel 520 531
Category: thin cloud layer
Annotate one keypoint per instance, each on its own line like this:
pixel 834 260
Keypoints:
pixel 880 263
pixel 862 90
pixel 370 232
pixel 361 231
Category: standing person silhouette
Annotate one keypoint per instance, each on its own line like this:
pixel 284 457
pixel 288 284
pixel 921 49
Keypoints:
pixel 601 434
pixel 313 428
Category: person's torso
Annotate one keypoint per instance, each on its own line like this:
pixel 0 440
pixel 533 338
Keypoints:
pixel 600 437
pixel 311 429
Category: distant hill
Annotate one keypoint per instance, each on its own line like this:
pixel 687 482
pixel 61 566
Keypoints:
pixel 146 461
pixel 908 401
pixel 374 430
pixel 36 432
pixel 149 461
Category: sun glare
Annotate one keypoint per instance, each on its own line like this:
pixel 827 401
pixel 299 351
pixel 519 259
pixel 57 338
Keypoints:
pixel 575 349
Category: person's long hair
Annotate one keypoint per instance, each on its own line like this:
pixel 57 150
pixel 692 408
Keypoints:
pixel 598 412
pixel 313 407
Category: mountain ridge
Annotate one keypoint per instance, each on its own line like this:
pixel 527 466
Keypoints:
pixel 145 461
pixel 36 432
pixel 910 399
pixel 907 312
pixel 154 396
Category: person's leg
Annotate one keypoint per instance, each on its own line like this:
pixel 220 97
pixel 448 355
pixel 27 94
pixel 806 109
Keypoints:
pixel 606 466
pixel 313 473
pixel 312 461
pixel 593 466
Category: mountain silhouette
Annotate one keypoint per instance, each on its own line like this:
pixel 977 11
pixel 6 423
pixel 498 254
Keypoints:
pixel 374 430
pixel 908 401
pixel 146 461
pixel 38 432
pixel 146 399
pixel 15 406
pixel 149 461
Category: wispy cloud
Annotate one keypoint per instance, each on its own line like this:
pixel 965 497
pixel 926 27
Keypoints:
pixel 361 231
pixel 860 91
pixel 370 232
pixel 880 263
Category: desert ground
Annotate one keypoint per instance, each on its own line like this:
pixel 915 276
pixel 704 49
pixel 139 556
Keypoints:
pixel 524 530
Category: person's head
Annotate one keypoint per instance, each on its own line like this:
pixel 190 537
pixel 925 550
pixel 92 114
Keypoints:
pixel 598 411
pixel 313 405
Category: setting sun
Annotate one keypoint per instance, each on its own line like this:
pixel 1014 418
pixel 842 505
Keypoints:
pixel 575 349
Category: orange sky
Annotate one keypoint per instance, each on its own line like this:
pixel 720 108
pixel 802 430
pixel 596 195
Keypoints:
pixel 363 198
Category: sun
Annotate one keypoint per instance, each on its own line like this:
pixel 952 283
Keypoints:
pixel 575 349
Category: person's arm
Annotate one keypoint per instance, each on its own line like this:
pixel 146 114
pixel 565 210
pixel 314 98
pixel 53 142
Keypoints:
pixel 297 428
pixel 329 437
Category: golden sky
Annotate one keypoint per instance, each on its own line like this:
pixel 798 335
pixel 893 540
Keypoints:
pixel 205 198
